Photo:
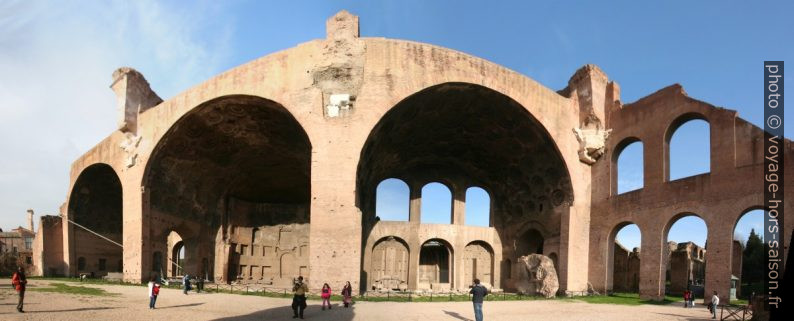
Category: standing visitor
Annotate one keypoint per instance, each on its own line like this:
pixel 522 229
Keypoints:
pixel 186 283
pixel 478 292
pixel 691 299
pixel 326 295
pixel 715 301
pixel 154 290
pixel 686 298
pixel 20 282
pixel 199 284
pixel 347 294
pixel 299 290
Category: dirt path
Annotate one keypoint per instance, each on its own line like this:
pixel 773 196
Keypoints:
pixel 131 303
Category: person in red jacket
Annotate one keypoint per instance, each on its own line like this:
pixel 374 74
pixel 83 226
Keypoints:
pixel 20 281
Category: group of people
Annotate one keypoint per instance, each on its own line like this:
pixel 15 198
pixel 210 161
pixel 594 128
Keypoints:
pixel 689 301
pixel 155 283
pixel 300 289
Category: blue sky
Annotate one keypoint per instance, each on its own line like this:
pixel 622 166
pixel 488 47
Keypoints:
pixel 56 60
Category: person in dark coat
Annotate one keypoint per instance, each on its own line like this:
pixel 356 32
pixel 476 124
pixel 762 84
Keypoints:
pixel 186 284
pixel 478 292
pixel 347 294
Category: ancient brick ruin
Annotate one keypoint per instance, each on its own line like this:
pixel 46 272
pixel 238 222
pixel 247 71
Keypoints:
pixel 269 171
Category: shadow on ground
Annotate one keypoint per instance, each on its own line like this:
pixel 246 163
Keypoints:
pixel 457 315
pixel 312 312
pixel 68 310
pixel 179 306
pixel 706 316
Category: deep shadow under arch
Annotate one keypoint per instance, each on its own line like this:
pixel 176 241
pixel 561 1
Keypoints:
pixel 228 166
pixel 96 203
pixel 476 136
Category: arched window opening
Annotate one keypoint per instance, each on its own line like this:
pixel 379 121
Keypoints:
pixel 478 207
pixel 630 168
pixel 392 200
pixel 690 149
pixel 436 204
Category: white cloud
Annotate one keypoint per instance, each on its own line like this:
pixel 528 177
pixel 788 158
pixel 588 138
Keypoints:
pixel 55 67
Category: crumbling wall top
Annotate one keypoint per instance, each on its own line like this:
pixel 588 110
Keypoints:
pixel 342 25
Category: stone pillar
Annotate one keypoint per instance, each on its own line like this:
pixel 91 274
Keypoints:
pixel 718 263
pixel 335 220
pixel 722 146
pixel 458 205
pixel 574 247
pixel 30 221
pixel 654 154
pixel 415 207
pixel 137 253
pixel 652 263
pixel 456 266
pixel 413 263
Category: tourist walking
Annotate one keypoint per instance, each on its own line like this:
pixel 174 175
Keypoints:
pixel 691 299
pixel 20 282
pixel 347 294
pixel 326 295
pixel 154 290
pixel 478 292
pixel 299 290
pixel 715 301
pixel 186 283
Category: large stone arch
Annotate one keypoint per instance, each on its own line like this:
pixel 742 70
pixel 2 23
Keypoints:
pixel 377 73
pixel 478 136
pixel 231 165
pixel 676 284
pixel 95 206
pixel 610 255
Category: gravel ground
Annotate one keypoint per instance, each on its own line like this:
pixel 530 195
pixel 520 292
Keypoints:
pixel 131 303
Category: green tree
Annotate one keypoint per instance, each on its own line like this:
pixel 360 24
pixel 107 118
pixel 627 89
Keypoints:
pixel 753 259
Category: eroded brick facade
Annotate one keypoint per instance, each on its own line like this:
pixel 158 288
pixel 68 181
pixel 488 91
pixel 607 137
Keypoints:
pixel 269 170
